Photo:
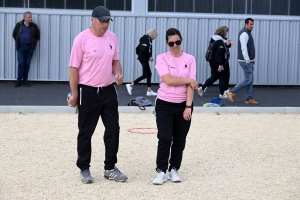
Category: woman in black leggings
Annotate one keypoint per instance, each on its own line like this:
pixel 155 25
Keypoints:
pixel 144 56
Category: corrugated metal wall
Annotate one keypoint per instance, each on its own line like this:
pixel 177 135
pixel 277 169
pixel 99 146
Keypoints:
pixel 277 43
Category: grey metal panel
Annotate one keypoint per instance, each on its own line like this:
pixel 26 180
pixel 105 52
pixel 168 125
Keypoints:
pixel 293 56
pixel 65 45
pixel 2 47
pixel 152 24
pixel 10 71
pixel 276 39
pixel 44 47
pixel 126 41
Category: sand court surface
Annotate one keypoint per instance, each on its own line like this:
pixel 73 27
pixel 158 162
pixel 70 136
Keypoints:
pixel 227 156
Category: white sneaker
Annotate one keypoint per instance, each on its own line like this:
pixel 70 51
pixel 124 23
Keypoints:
pixel 160 179
pixel 151 93
pixel 225 92
pixel 205 88
pixel 224 96
pixel 174 176
pixel 200 91
pixel 129 89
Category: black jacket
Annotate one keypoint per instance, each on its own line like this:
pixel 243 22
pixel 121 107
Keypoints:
pixel 34 34
pixel 221 53
pixel 145 48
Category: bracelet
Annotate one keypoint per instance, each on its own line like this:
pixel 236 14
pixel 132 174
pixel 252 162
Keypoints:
pixel 188 106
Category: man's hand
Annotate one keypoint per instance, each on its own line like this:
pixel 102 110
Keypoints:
pixel 119 79
pixel 72 101
pixel 151 59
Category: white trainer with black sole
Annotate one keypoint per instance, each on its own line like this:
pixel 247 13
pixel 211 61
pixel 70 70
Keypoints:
pixel 160 178
pixel 174 176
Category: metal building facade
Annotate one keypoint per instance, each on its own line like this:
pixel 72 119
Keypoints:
pixel 277 42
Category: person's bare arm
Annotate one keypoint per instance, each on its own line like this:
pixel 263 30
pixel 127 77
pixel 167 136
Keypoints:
pixel 187 113
pixel 117 71
pixel 73 80
pixel 174 81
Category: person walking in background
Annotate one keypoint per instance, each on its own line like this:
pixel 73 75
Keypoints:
pixel 94 61
pixel 26 35
pixel 144 52
pixel 246 56
pixel 219 66
pixel 174 106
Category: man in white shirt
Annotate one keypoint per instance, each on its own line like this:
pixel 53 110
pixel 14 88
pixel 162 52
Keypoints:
pixel 246 56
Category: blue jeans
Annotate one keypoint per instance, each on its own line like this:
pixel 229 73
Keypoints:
pixel 248 80
pixel 24 58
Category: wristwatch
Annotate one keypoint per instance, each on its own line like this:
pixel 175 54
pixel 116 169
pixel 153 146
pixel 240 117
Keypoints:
pixel 188 106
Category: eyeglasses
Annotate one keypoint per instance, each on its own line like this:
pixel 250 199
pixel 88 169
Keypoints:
pixel 171 44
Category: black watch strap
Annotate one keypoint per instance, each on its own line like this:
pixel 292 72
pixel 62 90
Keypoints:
pixel 188 106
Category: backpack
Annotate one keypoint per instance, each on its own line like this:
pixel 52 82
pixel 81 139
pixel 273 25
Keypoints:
pixel 209 52
pixel 217 100
pixel 137 49
pixel 141 102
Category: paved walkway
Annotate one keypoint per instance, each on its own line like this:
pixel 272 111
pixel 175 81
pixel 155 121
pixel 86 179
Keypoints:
pixel 45 94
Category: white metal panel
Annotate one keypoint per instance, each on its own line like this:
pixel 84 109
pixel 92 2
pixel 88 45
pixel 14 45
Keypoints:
pixel 44 47
pixel 65 44
pixel 262 46
pixel 293 57
pixel 10 65
pixel 276 40
pixel 2 47
pixel 150 24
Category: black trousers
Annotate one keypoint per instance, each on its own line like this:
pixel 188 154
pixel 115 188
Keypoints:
pixel 146 73
pixel 222 76
pixel 93 103
pixel 172 132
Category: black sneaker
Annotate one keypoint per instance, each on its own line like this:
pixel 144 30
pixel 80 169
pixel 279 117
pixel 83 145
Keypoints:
pixel 85 176
pixel 26 84
pixel 18 85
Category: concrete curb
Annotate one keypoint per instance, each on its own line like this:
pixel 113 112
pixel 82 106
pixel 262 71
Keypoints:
pixel 133 109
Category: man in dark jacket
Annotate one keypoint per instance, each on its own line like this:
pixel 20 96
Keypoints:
pixel 26 34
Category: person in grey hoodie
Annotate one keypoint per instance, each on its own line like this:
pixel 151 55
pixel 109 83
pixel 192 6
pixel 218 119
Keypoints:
pixel 219 65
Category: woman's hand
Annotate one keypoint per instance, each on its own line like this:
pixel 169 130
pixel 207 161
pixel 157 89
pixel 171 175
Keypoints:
pixel 187 114
pixel 220 68
pixel 194 84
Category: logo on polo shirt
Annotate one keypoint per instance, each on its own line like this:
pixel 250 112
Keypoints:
pixel 110 47
pixel 186 65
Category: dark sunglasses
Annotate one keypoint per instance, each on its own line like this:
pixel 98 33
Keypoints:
pixel 171 44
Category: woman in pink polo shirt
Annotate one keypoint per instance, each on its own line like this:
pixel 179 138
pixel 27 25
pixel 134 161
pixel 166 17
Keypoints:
pixel 174 106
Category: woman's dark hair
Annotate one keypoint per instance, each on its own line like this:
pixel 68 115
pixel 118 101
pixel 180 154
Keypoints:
pixel 172 31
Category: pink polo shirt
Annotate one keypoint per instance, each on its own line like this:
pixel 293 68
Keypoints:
pixel 93 57
pixel 182 67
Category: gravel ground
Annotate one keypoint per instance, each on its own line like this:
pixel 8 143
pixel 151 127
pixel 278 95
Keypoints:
pixel 227 156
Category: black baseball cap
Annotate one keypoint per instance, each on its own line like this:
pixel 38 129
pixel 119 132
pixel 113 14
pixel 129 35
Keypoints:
pixel 101 13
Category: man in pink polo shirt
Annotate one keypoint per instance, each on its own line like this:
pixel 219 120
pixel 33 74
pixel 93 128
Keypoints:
pixel 94 61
